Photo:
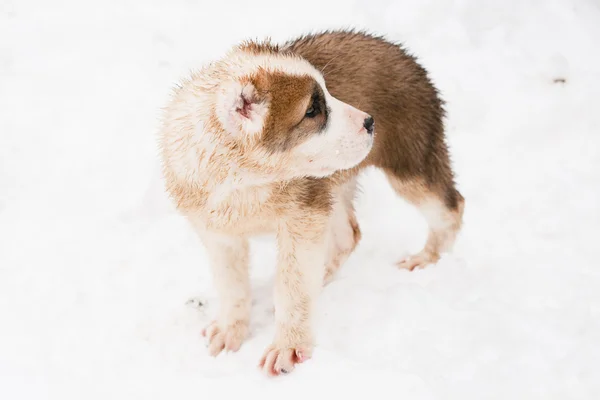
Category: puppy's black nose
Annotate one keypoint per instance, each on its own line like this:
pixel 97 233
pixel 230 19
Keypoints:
pixel 369 125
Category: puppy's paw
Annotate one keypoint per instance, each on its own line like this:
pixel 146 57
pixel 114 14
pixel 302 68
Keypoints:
pixel 420 260
pixel 228 338
pixel 281 360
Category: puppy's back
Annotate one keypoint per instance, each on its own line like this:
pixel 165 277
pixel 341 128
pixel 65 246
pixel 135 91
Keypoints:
pixel 379 77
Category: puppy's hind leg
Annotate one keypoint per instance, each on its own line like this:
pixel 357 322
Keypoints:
pixel 442 208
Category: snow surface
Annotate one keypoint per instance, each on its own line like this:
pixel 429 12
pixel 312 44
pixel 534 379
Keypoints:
pixel 96 268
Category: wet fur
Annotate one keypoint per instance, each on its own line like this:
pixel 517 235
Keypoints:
pixel 232 188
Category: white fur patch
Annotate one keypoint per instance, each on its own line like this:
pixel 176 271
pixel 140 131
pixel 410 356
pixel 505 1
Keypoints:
pixel 247 63
pixel 343 144
pixel 230 102
pixel 436 214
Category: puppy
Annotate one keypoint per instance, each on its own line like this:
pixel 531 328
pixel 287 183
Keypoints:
pixel 271 139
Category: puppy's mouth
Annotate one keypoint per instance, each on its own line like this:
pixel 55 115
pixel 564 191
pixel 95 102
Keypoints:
pixel 357 157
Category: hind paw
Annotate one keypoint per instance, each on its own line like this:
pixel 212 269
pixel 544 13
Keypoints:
pixel 420 260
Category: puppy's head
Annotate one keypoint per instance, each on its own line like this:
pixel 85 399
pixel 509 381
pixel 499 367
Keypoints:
pixel 278 105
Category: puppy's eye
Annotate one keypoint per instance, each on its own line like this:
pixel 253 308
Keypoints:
pixel 311 112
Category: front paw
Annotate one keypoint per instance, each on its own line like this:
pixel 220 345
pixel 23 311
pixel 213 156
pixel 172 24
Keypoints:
pixel 227 338
pixel 279 359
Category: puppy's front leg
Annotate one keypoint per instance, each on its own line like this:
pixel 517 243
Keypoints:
pixel 301 263
pixel 229 267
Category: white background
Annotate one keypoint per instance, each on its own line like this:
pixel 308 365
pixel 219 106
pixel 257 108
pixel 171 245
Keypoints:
pixel 96 268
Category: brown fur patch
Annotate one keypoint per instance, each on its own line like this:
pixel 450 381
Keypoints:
pixel 289 97
pixel 259 47
pixel 307 193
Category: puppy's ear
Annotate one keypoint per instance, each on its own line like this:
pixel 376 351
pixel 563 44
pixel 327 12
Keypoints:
pixel 240 108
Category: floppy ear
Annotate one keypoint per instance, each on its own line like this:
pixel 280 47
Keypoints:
pixel 240 109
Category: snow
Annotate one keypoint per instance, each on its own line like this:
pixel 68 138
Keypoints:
pixel 96 268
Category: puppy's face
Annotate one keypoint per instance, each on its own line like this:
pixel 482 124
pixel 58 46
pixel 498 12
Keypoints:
pixel 288 111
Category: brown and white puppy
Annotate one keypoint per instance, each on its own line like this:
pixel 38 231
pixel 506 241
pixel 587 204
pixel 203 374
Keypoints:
pixel 271 138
